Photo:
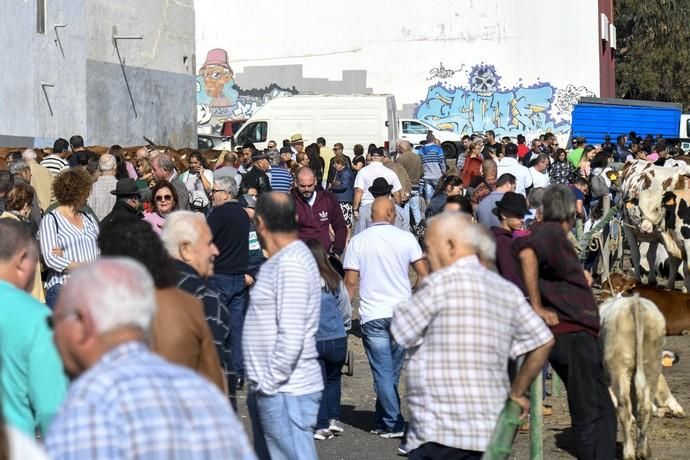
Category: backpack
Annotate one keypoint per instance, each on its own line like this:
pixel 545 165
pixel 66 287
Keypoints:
pixel 598 186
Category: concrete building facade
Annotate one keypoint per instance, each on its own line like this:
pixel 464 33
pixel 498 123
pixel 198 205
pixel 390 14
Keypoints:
pixel 514 66
pixel 70 66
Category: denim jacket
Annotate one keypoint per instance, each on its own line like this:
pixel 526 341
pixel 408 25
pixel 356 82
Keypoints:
pixel 336 314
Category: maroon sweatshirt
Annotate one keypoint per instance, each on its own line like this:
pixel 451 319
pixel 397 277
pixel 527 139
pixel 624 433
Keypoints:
pixel 314 220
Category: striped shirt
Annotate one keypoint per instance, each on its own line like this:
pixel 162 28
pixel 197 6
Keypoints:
pixel 281 179
pixel 280 327
pixel 54 164
pixel 434 161
pixel 133 404
pixel 77 245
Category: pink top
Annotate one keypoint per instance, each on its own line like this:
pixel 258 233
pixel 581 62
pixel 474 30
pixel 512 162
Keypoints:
pixel 156 220
pixel 131 172
pixel 653 157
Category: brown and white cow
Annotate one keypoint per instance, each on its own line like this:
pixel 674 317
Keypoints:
pixel 642 189
pixel 632 332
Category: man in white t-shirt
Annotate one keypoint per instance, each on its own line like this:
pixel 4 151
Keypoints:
pixel 509 164
pixel 377 261
pixel 365 179
pixel 538 172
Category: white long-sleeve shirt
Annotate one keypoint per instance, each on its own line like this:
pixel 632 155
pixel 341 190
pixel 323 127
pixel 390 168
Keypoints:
pixel 278 340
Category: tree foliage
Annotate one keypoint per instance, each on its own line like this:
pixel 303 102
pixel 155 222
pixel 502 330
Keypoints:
pixel 653 59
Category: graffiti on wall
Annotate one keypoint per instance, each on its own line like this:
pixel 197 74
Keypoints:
pixel 483 104
pixel 219 99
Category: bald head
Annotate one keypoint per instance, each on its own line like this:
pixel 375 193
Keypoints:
pixel 490 169
pixel 451 236
pixel 383 210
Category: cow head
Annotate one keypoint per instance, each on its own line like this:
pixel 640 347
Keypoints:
pixel 651 210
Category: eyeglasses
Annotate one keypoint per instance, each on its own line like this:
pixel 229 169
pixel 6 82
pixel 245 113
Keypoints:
pixel 160 198
pixel 53 320
pixel 216 190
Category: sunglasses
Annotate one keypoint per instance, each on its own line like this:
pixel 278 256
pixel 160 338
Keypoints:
pixel 160 198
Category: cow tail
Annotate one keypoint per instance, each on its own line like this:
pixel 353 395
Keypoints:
pixel 640 379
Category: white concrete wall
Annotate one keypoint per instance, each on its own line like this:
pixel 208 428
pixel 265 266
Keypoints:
pixel 89 97
pixel 400 46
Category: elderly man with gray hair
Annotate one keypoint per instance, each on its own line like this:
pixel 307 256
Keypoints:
pixel 101 201
pixel 125 401
pixel 188 239
pixel 229 224
pixel 455 399
pixel 560 293
pixel 41 179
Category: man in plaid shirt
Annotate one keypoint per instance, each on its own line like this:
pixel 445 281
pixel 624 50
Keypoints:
pixel 460 328
pixel 125 401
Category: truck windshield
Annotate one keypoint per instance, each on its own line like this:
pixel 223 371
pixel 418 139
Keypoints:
pixel 252 133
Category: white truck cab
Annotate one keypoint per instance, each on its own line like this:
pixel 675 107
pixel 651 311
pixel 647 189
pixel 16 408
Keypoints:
pixel 415 131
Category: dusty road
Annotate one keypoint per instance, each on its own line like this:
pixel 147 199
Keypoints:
pixel 669 438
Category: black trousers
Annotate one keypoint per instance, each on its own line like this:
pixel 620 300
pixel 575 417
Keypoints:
pixel 577 359
pixel 435 451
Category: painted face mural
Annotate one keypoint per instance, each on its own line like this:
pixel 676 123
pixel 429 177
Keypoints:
pixel 218 99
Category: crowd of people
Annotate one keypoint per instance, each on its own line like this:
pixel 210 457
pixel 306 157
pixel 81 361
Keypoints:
pixel 169 290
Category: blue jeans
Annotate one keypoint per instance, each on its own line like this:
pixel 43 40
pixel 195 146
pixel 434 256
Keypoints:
pixel 430 188
pixel 52 295
pixel 413 204
pixel 283 425
pixel 332 354
pixel 386 360
pixel 234 289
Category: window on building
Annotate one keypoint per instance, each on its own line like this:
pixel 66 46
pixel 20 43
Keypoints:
pixel 41 16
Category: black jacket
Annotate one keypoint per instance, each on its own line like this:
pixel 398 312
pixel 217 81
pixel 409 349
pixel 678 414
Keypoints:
pixel 122 211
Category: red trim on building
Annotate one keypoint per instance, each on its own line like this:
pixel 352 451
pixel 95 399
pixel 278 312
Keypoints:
pixel 607 59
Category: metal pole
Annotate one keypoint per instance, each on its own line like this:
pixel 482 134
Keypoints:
pixel 556 385
pixel 536 430
pixel 122 65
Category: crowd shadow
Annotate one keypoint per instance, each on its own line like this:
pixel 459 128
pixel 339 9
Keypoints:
pixel 357 418
pixel 565 440
pixel 356 328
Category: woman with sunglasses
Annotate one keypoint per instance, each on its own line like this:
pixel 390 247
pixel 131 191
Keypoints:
pixel 164 202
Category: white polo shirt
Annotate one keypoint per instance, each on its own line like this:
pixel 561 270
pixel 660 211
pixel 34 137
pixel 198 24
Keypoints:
pixel 382 255
pixel 366 176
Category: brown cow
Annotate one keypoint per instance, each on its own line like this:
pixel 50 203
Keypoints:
pixel 674 305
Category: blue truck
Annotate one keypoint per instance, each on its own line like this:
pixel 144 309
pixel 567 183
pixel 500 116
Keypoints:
pixel 593 118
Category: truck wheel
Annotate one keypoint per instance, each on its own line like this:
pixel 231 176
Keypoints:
pixel 449 150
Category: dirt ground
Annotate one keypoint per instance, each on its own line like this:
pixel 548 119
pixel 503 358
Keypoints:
pixel 669 436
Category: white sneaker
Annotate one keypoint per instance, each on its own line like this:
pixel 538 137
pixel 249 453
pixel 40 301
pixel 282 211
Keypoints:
pixel 323 434
pixel 335 426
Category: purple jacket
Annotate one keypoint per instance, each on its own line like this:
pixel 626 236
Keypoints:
pixel 315 220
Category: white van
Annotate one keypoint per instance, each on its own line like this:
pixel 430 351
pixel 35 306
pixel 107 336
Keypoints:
pixel 349 119
pixel 415 131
